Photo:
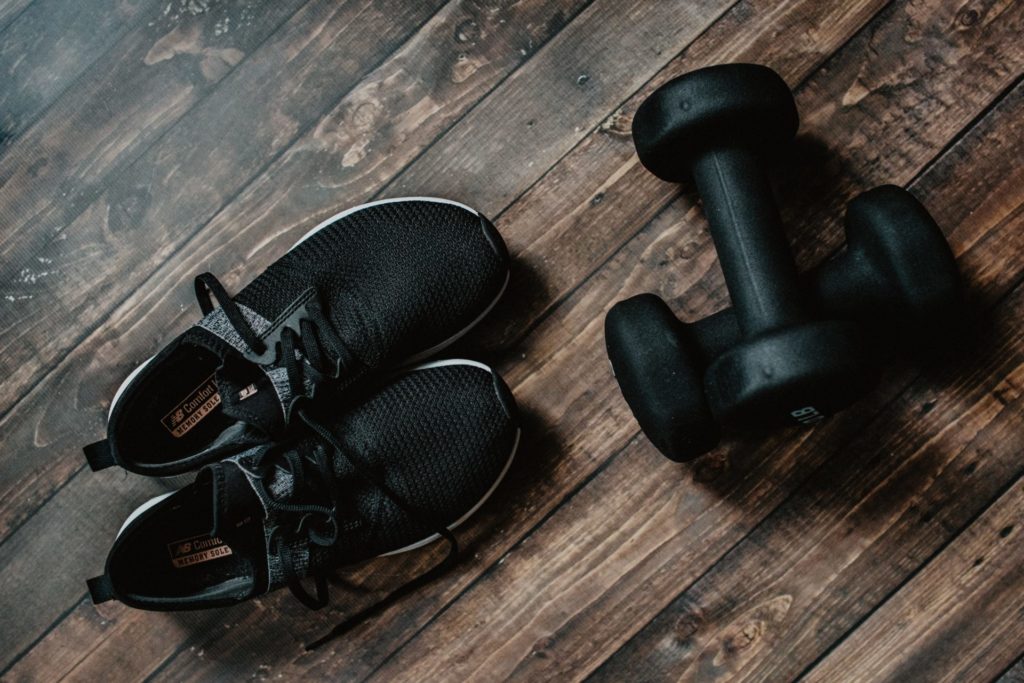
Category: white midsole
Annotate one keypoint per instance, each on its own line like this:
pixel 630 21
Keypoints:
pixel 323 224
pixel 338 216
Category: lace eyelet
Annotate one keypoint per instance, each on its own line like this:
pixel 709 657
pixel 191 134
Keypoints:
pixel 292 317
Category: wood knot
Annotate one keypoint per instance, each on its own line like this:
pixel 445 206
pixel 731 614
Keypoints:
pixel 619 123
pixel 467 31
pixel 967 17
pixel 542 647
pixel 739 641
pixel 711 467
pixel 687 250
pixel 745 636
pixel 365 115
pixel 686 626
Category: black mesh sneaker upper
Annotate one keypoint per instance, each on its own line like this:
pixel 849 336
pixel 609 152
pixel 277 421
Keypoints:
pixel 387 282
pixel 438 438
pixel 405 276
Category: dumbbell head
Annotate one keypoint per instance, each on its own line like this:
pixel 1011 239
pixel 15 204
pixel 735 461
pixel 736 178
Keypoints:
pixel 659 367
pixel 795 375
pixel 684 382
pixel 896 279
pixel 729 104
pixel 897 274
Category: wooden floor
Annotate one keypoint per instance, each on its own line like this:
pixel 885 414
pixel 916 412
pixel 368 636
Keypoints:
pixel 144 141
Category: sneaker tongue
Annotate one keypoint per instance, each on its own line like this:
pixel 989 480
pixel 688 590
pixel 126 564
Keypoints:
pixel 237 504
pixel 239 517
pixel 200 336
pixel 247 393
pixel 235 501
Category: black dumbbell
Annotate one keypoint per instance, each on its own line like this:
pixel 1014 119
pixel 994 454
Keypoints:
pixel 789 351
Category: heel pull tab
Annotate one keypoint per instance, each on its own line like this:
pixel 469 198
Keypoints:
pixel 100 589
pixel 99 455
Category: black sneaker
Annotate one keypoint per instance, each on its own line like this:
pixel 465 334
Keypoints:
pixel 384 283
pixel 410 462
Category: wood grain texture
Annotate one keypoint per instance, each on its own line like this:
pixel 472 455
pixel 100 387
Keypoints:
pixel 153 205
pixel 202 135
pixel 48 46
pixel 61 164
pixel 300 71
pixel 546 627
pixel 10 9
pixel 949 622
pixel 202 253
pixel 1014 674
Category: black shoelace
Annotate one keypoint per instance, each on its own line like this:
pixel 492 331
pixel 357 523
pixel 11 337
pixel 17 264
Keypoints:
pixel 324 354
pixel 315 482
pixel 316 494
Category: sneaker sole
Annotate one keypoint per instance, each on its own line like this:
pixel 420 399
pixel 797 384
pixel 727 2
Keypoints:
pixel 429 539
pixel 323 224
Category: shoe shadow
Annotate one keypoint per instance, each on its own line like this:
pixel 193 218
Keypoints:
pixel 524 302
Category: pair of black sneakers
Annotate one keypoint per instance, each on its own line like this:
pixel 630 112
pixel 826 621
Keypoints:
pixel 320 436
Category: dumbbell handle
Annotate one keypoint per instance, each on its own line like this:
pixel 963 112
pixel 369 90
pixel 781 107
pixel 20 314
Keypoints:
pixel 833 293
pixel 747 232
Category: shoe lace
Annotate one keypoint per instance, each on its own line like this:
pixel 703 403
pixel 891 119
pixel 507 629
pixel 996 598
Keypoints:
pixel 310 334
pixel 316 492
pixel 313 503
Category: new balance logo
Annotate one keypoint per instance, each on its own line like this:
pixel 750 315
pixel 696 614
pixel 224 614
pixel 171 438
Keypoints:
pixel 198 404
pixel 197 549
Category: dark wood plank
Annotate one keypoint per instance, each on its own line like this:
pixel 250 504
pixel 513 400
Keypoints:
pixel 543 112
pixel 199 256
pixel 642 530
pixel 497 43
pixel 140 216
pixel 1015 674
pixel 648 20
pixel 584 214
pixel 61 651
pixel 558 370
pixel 577 412
pixel 134 94
pixel 10 9
pixel 960 619
pixel 51 44
pixel 408 107
pixel 308 54
pixel 167 302
pixel 513 48
pixel 154 203
pixel 849 536
pixel 987 224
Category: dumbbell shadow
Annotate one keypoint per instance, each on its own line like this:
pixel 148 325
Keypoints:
pixel 839 460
